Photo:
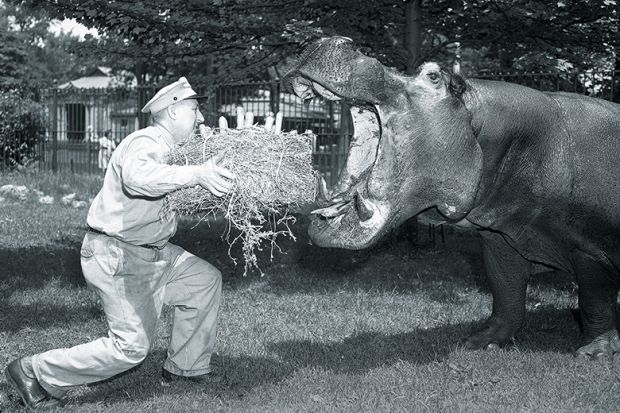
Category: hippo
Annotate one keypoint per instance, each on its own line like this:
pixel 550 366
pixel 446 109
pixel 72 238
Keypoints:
pixel 537 174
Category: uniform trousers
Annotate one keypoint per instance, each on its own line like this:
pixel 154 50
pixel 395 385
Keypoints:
pixel 133 283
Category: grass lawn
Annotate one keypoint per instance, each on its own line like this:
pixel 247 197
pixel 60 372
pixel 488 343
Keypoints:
pixel 323 330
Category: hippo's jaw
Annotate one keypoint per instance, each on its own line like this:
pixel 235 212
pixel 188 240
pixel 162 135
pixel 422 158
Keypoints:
pixel 352 216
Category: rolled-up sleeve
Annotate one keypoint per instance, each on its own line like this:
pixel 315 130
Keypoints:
pixel 143 174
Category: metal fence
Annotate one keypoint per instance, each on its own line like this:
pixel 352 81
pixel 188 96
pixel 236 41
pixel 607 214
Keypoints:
pixel 75 119
pixel 600 84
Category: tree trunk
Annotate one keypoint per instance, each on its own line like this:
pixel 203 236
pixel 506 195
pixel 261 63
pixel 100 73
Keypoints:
pixel 616 75
pixel 140 72
pixel 413 33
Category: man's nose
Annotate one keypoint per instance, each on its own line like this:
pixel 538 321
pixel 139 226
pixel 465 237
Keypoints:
pixel 200 118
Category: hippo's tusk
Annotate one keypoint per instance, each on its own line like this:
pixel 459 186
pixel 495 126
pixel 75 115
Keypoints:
pixel 324 193
pixel 363 207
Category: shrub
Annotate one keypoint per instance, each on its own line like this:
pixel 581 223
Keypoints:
pixel 22 127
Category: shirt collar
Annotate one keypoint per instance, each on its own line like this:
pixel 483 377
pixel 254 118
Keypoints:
pixel 167 137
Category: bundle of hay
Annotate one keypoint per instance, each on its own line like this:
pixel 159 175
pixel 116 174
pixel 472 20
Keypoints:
pixel 273 172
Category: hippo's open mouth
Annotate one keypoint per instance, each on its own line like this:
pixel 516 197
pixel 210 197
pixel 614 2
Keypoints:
pixel 413 147
pixel 349 209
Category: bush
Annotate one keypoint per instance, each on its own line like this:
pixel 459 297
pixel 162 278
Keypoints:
pixel 22 127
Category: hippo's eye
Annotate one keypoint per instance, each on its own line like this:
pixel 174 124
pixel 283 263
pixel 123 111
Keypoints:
pixel 433 76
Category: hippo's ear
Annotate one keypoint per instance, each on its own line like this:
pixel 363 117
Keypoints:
pixel 456 83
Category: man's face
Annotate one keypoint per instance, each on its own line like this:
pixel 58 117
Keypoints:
pixel 188 116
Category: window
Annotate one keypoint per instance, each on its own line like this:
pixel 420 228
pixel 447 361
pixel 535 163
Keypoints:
pixel 76 121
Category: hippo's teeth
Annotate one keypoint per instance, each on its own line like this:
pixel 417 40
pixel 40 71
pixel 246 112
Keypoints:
pixel 332 210
pixel 324 194
pixel 363 207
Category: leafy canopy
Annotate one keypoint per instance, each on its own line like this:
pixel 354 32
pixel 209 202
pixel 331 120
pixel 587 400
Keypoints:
pixel 218 40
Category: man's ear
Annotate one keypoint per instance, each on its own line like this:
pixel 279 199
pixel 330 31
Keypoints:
pixel 172 113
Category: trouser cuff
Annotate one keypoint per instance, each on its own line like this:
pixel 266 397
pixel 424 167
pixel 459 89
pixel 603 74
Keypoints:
pixel 56 392
pixel 169 365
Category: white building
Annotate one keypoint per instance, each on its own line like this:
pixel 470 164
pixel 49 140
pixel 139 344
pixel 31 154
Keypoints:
pixel 87 107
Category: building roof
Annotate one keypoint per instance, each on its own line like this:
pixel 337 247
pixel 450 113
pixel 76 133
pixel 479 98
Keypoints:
pixel 99 77
pixel 88 82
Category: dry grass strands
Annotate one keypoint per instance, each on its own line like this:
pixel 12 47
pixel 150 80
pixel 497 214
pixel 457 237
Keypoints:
pixel 273 172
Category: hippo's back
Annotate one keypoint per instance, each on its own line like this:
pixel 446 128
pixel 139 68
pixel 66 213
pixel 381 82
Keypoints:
pixel 593 129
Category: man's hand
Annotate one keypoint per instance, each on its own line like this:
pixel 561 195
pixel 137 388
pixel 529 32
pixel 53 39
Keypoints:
pixel 219 181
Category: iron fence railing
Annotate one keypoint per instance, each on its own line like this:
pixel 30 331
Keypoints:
pixel 74 119
pixel 77 118
pixel 599 84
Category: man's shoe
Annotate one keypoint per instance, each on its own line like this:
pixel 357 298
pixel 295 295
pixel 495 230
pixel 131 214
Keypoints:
pixel 208 378
pixel 32 394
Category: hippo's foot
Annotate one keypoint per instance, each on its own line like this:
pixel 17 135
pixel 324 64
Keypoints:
pixel 494 334
pixel 602 347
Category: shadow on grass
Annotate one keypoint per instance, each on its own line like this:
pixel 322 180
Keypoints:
pixel 548 330
pixel 33 268
pixel 354 355
pixel 397 264
pixel 242 374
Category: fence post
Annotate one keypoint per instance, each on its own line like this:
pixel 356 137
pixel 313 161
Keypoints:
pixel 90 167
pixel 142 117
pixel 275 97
pixel 55 131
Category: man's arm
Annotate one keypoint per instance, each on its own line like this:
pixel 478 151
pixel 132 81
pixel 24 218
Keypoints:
pixel 144 175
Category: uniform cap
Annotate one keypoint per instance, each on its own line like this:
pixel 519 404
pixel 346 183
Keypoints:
pixel 171 94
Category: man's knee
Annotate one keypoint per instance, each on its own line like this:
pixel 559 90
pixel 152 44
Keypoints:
pixel 212 276
pixel 131 352
pixel 210 286
pixel 217 275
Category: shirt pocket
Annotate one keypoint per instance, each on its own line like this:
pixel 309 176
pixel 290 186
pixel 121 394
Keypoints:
pixel 135 260
pixel 100 251
pixel 87 250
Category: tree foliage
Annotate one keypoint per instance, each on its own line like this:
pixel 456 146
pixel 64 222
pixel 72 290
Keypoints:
pixel 528 35
pixel 22 126
pixel 31 54
pixel 218 40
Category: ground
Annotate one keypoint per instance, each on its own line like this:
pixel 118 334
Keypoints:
pixel 322 330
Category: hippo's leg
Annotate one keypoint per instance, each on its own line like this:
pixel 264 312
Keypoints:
pixel 598 292
pixel 507 273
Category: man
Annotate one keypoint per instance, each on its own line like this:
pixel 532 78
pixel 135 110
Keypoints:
pixel 106 147
pixel 127 259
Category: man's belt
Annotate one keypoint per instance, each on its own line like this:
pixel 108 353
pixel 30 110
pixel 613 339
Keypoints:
pixel 96 231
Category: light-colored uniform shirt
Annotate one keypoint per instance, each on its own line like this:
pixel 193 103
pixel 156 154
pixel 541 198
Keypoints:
pixel 130 204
